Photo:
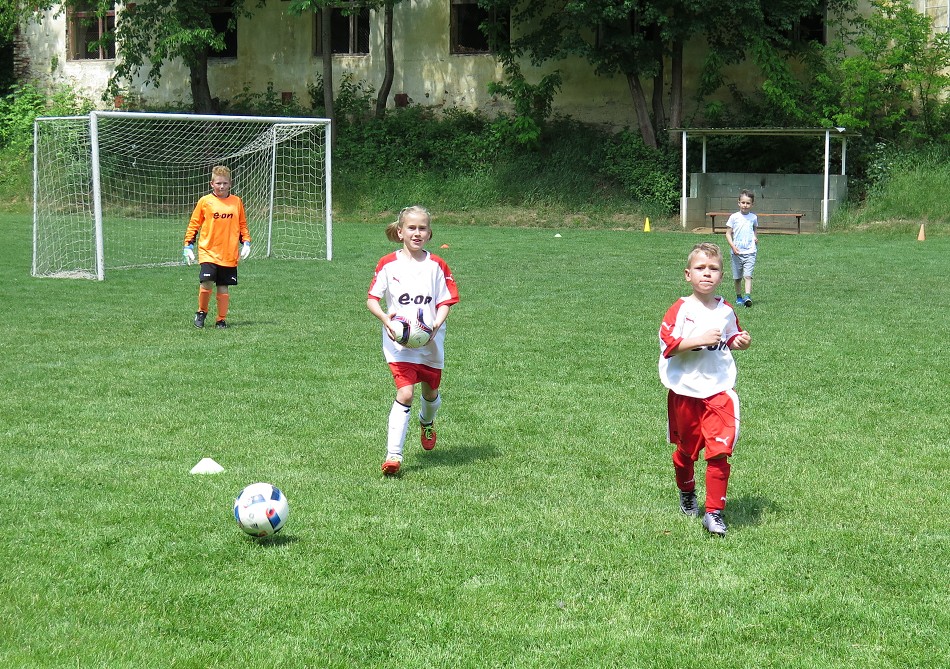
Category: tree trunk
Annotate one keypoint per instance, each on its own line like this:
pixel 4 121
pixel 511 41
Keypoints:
pixel 643 111
pixel 326 35
pixel 387 85
pixel 201 98
pixel 676 86
pixel 659 113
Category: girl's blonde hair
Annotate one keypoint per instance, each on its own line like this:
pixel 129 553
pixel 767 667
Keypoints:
pixel 392 230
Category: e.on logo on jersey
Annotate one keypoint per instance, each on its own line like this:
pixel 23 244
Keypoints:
pixel 721 346
pixel 224 215
pixel 406 298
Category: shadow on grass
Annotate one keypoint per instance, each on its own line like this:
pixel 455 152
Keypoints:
pixel 274 540
pixel 451 457
pixel 748 509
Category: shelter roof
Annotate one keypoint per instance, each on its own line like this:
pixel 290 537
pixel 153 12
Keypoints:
pixel 783 132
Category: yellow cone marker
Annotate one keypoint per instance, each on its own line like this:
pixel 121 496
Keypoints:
pixel 646 225
pixel 920 235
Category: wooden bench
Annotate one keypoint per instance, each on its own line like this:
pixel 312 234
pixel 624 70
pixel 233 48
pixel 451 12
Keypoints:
pixel 764 228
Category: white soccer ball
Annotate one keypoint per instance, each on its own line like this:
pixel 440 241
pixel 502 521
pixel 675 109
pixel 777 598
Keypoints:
pixel 261 509
pixel 411 332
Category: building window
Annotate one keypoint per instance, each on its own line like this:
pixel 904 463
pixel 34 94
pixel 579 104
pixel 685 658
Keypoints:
pixel 349 31
pixel 90 36
pixel 465 30
pixel 811 28
pixel 224 21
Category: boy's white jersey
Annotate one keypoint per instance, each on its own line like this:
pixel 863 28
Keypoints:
pixel 700 372
pixel 743 231
pixel 403 286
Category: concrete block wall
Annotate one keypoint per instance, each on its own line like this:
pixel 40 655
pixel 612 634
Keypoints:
pixel 774 193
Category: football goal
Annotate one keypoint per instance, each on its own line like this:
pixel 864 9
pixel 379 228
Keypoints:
pixel 114 190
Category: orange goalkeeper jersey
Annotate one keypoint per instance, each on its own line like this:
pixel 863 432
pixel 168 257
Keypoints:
pixel 219 225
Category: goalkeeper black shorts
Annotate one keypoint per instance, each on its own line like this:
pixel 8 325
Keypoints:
pixel 222 276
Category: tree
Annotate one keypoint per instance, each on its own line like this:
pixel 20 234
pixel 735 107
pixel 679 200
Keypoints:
pixel 347 7
pixel 325 9
pixel 636 39
pixel 890 78
pixel 153 32
pixel 10 16
pixel 382 96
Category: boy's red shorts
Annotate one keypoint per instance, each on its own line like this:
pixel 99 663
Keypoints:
pixel 411 373
pixel 710 423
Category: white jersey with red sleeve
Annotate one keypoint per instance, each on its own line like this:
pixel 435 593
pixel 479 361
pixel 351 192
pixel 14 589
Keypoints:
pixel 700 372
pixel 403 286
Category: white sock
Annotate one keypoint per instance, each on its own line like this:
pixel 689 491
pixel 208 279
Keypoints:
pixel 398 424
pixel 427 409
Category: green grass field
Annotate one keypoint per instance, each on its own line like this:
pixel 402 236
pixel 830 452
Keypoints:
pixel 543 531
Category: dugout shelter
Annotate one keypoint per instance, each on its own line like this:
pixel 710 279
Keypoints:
pixel 783 202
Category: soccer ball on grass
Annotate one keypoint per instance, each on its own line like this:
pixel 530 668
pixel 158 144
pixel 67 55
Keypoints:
pixel 261 509
pixel 411 332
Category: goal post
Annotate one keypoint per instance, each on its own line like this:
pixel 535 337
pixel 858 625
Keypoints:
pixel 114 190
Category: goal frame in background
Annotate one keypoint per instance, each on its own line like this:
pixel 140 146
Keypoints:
pixel 71 226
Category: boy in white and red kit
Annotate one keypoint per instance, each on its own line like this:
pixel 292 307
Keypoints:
pixel 407 282
pixel 697 337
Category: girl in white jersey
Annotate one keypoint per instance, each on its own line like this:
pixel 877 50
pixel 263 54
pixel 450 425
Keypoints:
pixel 406 282
pixel 697 337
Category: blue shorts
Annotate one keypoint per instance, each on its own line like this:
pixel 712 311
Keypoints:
pixel 742 265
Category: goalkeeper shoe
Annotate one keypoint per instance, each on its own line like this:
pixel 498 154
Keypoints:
pixel 427 436
pixel 714 523
pixel 222 324
pixel 391 465
pixel 200 317
pixel 688 504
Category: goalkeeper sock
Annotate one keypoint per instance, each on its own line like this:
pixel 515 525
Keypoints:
pixel 683 467
pixel 398 425
pixel 204 299
pixel 223 300
pixel 427 410
pixel 717 480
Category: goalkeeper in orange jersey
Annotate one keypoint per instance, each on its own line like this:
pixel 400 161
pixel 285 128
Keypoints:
pixel 219 226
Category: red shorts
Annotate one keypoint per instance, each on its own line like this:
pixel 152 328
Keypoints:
pixel 411 373
pixel 711 423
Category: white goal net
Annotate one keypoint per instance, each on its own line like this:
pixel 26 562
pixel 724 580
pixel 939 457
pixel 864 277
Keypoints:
pixel 115 190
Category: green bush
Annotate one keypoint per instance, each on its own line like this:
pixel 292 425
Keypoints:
pixel 415 138
pixel 267 103
pixel 18 110
pixel 649 175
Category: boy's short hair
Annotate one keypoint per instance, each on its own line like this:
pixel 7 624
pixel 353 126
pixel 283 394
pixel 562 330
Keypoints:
pixel 220 171
pixel 708 249
pixel 745 192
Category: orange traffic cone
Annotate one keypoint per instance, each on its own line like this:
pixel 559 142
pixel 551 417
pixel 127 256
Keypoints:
pixel 920 235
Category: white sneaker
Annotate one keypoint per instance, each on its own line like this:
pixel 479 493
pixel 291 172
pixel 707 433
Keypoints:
pixel 714 523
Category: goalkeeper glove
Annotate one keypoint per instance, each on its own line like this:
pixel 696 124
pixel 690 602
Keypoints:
pixel 189 254
pixel 245 250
